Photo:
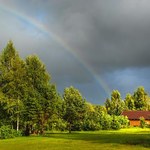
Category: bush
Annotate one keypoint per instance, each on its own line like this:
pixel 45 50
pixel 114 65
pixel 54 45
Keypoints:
pixel 142 122
pixel 91 125
pixel 6 132
pixel 124 121
pixel 115 124
pixel 105 122
pixel 77 126
pixel 16 133
pixel 58 124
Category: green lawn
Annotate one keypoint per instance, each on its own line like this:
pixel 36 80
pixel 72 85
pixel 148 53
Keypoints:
pixel 126 139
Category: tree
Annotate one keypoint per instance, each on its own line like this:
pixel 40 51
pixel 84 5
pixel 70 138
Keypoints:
pixel 89 118
pixel 140 99
pixel 12 81
pixel 74 106
pixel 38 81
pixel 129 102
pixel 41 102
pixel 115 106
pixel 4 115
pixel 148 103
pixel 93 116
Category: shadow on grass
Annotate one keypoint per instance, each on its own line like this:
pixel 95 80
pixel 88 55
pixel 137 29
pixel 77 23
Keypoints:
pixel 139 139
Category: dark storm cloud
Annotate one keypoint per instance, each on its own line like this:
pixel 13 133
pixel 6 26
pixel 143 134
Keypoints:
pixel 104 33
pixel 111 34
pixel 112 37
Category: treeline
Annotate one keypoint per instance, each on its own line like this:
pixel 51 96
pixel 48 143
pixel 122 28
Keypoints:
pixel 139 100
pixel 29 102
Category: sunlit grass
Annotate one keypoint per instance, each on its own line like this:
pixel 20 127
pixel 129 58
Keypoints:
pixel 125 139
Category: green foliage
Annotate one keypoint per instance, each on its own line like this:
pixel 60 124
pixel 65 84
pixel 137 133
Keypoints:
pixel 108 122
pixel 29 101
pixel 74 106
pixel 90 125
pixel 115 124
pixel 115 106
pixel 142 122
pixel 42 101
pixel 4 115
pixel 140 99
pixel 56 123
pixel 93 117
pixel 6 132
pixel 129 102
pixel 124 121
pixel 12 81
pixel 17 133
pixel 29 97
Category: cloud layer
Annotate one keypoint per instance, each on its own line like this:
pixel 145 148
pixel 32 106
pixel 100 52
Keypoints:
pixel 106 39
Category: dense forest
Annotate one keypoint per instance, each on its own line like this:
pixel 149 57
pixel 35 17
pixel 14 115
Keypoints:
pixel 31 104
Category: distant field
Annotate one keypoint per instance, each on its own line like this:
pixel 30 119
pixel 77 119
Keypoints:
pixel 126 139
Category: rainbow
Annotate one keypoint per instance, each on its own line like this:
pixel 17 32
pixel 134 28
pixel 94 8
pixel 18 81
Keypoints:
pixel 44 29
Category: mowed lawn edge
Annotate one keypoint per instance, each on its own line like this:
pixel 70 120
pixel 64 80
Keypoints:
pixel 124 139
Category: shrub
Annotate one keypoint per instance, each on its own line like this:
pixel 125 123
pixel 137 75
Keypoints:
pixel 57 124
pixel 91 125
pixel 106 122
pixel 6 132
pixel 115 124
pixel 142 122
pixel 16 133
pixel 124 121
pixel 77 126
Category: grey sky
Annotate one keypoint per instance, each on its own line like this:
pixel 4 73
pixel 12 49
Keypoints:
pixel 108 41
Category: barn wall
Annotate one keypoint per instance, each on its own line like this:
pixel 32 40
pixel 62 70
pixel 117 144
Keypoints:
pixel 134 123
pixel 137 122
pixel 147 122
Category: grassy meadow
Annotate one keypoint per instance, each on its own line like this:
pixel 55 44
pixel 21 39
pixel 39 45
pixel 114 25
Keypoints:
pixel 125 139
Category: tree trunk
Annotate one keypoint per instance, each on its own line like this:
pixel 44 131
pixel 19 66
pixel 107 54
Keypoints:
pixel 42 128
pixel 69 127
pixel 27 131
pixel 18 114
pixel 17 121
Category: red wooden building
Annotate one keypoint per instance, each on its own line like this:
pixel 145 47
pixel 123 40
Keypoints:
pixel 134 117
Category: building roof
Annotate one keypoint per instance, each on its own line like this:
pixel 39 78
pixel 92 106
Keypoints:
pixel 135 115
